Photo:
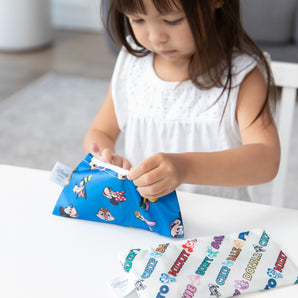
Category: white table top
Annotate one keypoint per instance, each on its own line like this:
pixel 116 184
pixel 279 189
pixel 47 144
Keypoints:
pixel 42 255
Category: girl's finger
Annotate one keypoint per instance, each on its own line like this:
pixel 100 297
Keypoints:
pixel 126 164
pixel 149 178
pixel 106 156
pixel 146 166
pixel 117 160
pixel 157 190
pixel 94 149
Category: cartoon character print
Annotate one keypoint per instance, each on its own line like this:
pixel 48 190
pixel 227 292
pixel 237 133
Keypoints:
pixel 227 263
pixel 69 211
pixel 166 278
pixel 156 254
pixel 214 290
pixel 105 214
pixel 80 189
pixel 274 274
pixel 92 164
pixel 121 177
pixel 211 254
pixel 139 285
pixel 114 196
pixel 176 228
pixel 195 280
pixel 236 292
pixel 238 243
pixel 189 245
pixel 241 284
pixel 146 221
pixel 258 248
pixel 144 203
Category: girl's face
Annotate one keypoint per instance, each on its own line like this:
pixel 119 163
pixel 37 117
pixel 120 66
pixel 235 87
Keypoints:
pixel 168 35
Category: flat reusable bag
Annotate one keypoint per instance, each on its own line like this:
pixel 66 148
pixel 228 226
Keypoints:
pixel 101 192
pixel 217 266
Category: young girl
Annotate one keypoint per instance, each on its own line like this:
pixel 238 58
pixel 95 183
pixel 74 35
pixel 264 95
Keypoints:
pixel 190 91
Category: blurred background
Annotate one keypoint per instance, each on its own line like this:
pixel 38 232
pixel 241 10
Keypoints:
pixel 54 69
pixel 55 66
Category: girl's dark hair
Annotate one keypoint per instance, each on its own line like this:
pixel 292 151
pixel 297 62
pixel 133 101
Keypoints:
pixel 214 55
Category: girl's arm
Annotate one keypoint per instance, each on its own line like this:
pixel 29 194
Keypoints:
pixel 255 161
pixel 103 133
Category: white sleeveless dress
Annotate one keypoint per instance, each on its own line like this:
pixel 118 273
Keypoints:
pixel 160 116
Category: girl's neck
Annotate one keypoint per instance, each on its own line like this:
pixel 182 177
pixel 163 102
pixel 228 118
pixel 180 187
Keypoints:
pixel 170 70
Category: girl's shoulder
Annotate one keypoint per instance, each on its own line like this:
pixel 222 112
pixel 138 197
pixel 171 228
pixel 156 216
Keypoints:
pixel 242 64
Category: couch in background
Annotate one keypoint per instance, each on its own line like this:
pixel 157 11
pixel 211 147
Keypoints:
pixel 273 25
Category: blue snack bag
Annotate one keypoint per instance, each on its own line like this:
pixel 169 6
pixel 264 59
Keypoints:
pixel 101 192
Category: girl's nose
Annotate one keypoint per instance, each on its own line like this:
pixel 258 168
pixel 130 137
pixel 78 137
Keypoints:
pixel 157 35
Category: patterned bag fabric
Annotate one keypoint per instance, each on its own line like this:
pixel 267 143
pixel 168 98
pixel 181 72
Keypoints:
pixel 101 192
pixel 217 266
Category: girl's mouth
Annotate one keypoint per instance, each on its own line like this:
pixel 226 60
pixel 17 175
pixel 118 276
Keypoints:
pixel 167 53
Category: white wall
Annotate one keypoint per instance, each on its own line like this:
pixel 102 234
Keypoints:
pixel 77 14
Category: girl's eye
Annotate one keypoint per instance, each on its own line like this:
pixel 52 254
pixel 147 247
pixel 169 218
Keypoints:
pixel 174 22
pixel 138 21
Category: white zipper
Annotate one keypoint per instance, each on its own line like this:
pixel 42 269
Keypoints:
pixel 114 168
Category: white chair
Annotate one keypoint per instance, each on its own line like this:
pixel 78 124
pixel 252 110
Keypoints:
pixel 286 77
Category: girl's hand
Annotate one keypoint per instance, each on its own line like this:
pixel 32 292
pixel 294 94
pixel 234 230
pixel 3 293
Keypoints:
pixel 158 175
pixel 110 157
